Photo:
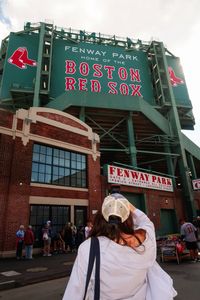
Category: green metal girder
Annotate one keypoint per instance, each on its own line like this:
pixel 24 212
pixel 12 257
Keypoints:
pixel 176 127
pixel 131 140
pixel 36 98
pixel 191 147
pixel 116 102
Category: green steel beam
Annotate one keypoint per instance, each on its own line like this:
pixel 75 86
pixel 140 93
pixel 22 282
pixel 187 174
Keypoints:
pixel 36 98
pixel 182 162
pixel 108 131
pixel 192 166
pixel 151 161
pixel 82 114
pixel 126 150
pixel 160 153
pixel 170 165
pixel 116 102
pixel 131 140
pixel 191 147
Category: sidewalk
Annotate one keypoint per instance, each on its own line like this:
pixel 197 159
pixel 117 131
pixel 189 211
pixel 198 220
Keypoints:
pixel 14 273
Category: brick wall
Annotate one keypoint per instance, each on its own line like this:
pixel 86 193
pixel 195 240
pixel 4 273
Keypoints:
pixel 15 171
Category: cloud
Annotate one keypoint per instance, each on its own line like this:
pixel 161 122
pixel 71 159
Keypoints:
pixel 3 18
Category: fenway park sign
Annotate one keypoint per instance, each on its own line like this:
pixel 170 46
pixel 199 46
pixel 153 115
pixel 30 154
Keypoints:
pixel 138 179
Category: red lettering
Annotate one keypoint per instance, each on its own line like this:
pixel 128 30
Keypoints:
pixel 97 69
pixel 163 180
pixel 109 69
pixel 112 86
pixel 135 75
pixel 84 68
pixel 169 181
pixel 95 86
pixel 126 173
pixel 112 170
pixel 135 90
pixel 159 180
pixel 142 176
pixel 124 89
pixel 119 172
pixel 153 178
pixel 69 83
pixel 82 84
pixel 122 72
pixel 70 67
pixel 134 174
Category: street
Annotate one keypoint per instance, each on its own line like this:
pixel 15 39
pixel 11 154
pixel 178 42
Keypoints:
pixel 47 290
pixel 186 278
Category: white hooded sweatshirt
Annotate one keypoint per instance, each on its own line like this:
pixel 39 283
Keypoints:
pixel 123 271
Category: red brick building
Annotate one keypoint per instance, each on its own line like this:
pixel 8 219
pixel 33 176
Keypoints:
pixel 58 147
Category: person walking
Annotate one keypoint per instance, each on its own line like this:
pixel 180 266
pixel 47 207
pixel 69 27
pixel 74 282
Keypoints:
pixel 46 236
pixel 67 234
pixel 19 242
pixel 189 236
pixel 127 250
pixel 28 241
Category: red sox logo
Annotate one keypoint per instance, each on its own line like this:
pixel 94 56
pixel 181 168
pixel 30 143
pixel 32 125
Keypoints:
pixel 20 58
pixel 173 78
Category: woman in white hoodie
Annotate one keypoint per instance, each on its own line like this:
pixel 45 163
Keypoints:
pixel 127 250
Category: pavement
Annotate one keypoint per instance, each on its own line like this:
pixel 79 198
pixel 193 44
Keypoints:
pixel 16 273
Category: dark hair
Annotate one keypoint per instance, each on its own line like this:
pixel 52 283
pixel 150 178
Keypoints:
pixel 112 229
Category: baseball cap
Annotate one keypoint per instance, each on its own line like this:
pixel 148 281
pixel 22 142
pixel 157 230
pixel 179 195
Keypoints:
pixel 116 205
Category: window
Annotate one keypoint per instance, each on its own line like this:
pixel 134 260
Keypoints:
pixel 40 214
pixel 59 167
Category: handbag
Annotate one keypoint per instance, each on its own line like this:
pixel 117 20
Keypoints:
pixel 159 284
pixel 45 236
pixel 94 257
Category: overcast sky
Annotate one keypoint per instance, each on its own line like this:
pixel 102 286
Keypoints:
pixel 174 22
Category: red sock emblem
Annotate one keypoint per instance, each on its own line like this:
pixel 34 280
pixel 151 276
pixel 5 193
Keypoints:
pixel 173 78
pixel 20 58
pixel 26 60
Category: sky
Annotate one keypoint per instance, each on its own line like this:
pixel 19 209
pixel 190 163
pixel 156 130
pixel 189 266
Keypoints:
pixel 174 22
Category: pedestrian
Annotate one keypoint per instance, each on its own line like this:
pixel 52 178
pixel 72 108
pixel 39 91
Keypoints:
pixel 46 236
pixel 88 228
pixel 58 242
pixel 127 250
pixel 19 242
pixel 67 234
pixel 189 236
pixel 28 241
pixel 74 234
pixel 80 236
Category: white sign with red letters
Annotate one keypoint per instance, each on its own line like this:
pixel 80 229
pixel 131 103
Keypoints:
pixel 196 184
pixel 139 179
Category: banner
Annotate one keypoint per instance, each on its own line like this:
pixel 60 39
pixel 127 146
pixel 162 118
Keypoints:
pixel 136 178
pixel 100 69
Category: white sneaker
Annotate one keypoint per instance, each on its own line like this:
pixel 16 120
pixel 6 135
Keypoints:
pixel 49 254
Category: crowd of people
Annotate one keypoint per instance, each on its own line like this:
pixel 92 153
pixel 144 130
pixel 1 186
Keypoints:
pixel 53 241
pixel 70 237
